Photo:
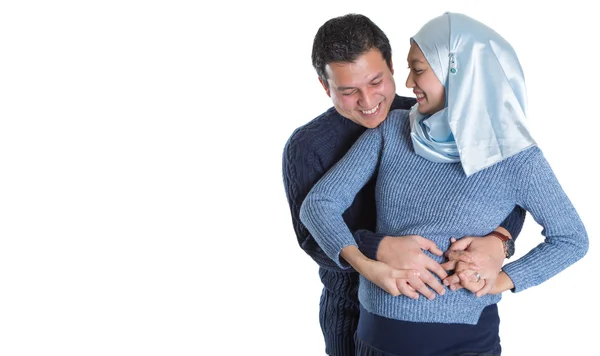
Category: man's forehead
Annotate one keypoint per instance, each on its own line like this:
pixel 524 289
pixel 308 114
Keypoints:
pixel 353 73
pixel 352 80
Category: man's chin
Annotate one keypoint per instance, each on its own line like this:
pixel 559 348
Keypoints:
pixel 371 124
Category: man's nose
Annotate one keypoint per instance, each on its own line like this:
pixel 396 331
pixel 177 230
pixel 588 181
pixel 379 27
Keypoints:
pixel 367 99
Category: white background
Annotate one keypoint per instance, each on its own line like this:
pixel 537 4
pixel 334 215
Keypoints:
pixel 142 209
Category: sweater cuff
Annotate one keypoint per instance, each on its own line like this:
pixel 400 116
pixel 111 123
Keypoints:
pixel 520 277
pixel 514 222
pixel 368 242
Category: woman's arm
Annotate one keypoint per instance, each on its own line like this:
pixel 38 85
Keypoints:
pixel 322 209
pixel 566 239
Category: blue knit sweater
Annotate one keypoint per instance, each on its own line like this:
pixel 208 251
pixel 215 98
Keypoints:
pixel 311 150
pixel 437 201
pixel 309 153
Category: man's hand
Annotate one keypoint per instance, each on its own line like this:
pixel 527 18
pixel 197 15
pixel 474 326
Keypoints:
pixel 406 253
pixel 471 255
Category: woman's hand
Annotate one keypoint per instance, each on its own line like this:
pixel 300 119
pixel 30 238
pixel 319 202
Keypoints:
pixel 476 262
pixel 394 281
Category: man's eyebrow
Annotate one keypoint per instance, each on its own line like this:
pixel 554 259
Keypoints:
pixel 345 88
pixel 378 76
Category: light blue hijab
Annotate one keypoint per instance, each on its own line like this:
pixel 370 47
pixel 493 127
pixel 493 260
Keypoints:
pixel 484 118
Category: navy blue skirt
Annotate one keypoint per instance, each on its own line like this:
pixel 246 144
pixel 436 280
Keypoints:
pixel 380 336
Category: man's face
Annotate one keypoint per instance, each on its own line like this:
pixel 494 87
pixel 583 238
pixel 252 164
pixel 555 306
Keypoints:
pixel 362 91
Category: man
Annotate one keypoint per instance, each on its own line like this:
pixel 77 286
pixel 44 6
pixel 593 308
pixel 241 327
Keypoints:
pixel 352 57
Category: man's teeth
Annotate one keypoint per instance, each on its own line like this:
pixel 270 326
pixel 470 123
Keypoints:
pixel 369 112
pixel 419 96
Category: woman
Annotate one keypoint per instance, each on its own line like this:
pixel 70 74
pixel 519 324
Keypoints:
pixel 463 145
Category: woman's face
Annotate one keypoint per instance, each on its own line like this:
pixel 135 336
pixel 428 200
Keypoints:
pixel 430 93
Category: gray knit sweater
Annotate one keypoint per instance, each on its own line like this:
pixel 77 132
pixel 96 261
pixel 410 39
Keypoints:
pixel 437 201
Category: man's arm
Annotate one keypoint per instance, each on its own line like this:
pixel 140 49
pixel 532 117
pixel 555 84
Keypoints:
pixel 322 209
pixel 368 242
pixel 513 223
pixel 302 168
pixel 484 255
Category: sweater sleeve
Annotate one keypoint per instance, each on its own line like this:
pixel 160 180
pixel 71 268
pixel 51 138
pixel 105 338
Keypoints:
pixel 514 222
pixel 368 242
pixel 302 168
pixel 322 209
pixel 565 240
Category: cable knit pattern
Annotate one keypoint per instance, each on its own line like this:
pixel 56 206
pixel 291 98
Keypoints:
pixel 310 151
pixel 438 201
pixel 308 154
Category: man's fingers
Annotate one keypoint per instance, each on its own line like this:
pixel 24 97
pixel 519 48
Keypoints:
pixel 437 286
pixel 449 265
pixel 435 250
pixel 430 246
pixel 419 285
pixel 456 286
pixel 406 289
pixel 401 278
pixel 460 245
pixel 405 273
pixel 450 280
pixel 433 283
pixel 463 256
pixel 453 282
pixel 436 268
pixel 462 266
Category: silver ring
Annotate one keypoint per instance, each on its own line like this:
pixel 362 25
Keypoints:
pixel 478 276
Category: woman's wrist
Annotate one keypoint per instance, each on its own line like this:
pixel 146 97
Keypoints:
pixel 355 258
pixel 503 283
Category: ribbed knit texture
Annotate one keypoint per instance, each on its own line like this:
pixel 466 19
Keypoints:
pixel 310 151
pixel 339 310
pixel 308 154
pixel 437 201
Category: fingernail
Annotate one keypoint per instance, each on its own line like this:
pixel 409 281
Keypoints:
pixel 446 283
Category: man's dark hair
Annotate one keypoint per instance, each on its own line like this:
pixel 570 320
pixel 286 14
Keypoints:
pixel 344 39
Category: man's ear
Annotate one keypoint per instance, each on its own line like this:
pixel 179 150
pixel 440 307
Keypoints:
pixel 392 66
pixel 325 86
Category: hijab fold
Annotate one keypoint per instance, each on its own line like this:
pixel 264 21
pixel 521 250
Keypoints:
pixel 484 121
